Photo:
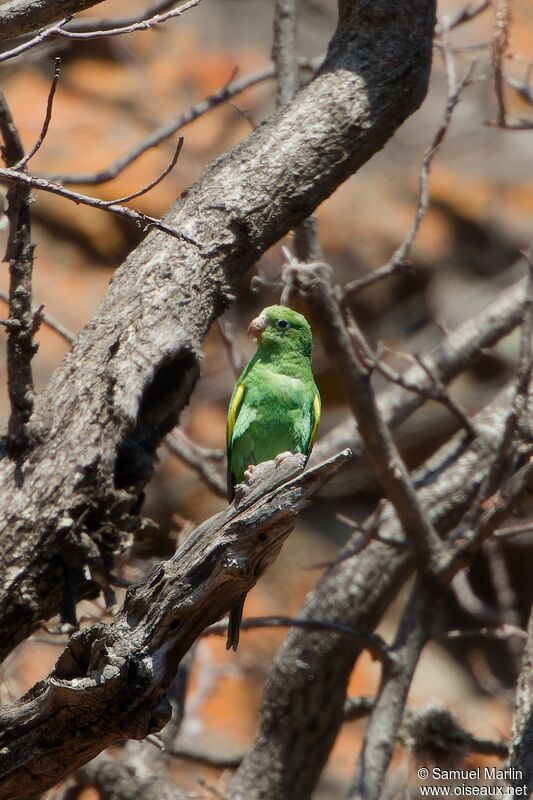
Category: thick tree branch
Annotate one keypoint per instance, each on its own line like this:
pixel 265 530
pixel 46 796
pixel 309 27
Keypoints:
pixel 130 372
pixel 19 254
pixel 114 677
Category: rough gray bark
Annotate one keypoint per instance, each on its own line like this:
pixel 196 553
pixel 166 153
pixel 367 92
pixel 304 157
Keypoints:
pixel 111 681
pixel 303 702
pixel 521 756
pixel 121 388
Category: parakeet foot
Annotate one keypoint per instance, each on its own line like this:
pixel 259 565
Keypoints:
pixel 248 472
pixel 282 456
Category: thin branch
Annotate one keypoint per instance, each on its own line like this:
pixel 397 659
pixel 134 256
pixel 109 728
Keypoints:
pixel 13 177
pixel 48 116
pixel 509 531
pixel 285 57
pixel 59 30
pixel 104 24
pixel 466 14
pixel 170 166
pixel 235 357
pixel 284 51
pixel 400 256
pixel 368 641
pixel 503 632
pixel 500 41
pixel 50 321
pixel 18 17
pixel 19 253
pixel 168 129
pixel 434 390
pixel 203 460
pixel 523 88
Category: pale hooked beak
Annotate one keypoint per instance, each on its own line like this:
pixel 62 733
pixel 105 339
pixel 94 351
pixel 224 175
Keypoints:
pixel 256 328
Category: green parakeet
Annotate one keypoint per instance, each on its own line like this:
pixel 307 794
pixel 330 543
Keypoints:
pixel 275 405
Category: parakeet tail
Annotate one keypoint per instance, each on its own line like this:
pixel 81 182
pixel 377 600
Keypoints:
pixel 234 625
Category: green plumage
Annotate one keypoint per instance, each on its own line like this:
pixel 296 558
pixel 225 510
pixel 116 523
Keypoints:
pixel 275 406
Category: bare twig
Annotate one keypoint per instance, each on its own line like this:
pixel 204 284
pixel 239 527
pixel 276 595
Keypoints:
pixel 400 256
pixel 13 177
pixel 368 641
pixel 48 116
pixel 202 459
pixel 168 129
pixel 506 598
pixel 509 531
pixel 434 390
pixel 466 14
pixel 104 24
pixel 235 357
pixel 170 166
pixel 19 253
pixel 59 30
pixel 503 632
pixel 523 88
pixel 500 40
pixel 284 52
pixel 285 56
pixel 48 320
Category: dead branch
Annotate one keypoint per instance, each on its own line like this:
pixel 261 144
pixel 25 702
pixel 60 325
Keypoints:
pixel 48 116
pixel 203 460
pixel 48 320
pixel 13 177
pixel 401 254
pixel 165 131
pixel 23 16
pixel 149 186
pixel 59 30
pixel 371 642
pixel 19 254
pixel 104 24
pixel 114 676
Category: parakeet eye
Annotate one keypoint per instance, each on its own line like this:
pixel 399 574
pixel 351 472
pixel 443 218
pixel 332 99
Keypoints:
pixel 282 324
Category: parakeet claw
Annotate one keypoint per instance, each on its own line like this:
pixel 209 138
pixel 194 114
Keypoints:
pixel 282 456
pixel 248 472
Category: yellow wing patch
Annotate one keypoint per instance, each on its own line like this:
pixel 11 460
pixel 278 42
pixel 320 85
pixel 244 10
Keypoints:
pixel 316 420
pixel 233 411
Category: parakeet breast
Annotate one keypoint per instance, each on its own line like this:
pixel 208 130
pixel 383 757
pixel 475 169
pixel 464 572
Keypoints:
pixel 275 417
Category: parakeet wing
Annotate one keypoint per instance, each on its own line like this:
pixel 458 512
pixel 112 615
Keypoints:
pixel 315 419
pixel 233 411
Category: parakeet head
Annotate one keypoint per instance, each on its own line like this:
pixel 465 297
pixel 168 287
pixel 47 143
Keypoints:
pixel 281 328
